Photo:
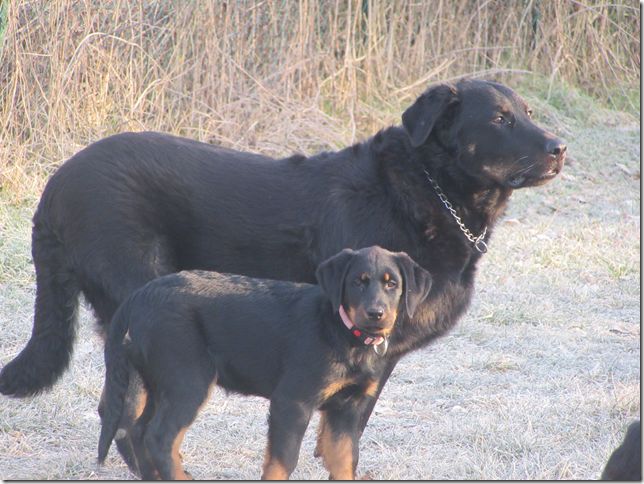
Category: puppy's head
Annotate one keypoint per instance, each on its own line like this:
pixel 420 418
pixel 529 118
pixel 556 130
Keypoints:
pixel 373 284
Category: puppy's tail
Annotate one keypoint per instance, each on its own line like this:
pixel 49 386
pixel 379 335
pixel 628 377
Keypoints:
pixel 117 377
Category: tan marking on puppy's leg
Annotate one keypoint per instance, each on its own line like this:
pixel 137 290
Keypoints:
pixel 372 388
pixel 140 404
pixel 179 473
pixel 334 387
pixel 273 469
pixel 324 442
pixel 337 455
pixel 177 456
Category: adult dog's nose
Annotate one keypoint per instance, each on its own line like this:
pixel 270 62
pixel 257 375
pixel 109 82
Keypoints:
pixel 375 314
pixel 555 147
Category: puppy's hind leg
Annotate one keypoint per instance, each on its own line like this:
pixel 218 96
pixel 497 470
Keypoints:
pixel 135 403
pixel 144 462
pixel 176 408
pixel 164 434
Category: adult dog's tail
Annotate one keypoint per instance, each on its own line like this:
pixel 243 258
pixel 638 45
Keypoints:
pixel 49 349
pixel 117 377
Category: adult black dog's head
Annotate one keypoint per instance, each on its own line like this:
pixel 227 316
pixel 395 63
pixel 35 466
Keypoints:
pixel 372 284
pixel 489 129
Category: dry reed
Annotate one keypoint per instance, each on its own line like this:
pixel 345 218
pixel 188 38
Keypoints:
pixel 278 76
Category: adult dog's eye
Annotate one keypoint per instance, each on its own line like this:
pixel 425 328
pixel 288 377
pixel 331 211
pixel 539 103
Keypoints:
pixel 390 284
pixel 529 113
pixel 499 120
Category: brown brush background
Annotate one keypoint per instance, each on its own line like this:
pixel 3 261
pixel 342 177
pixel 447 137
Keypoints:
pixel 279 76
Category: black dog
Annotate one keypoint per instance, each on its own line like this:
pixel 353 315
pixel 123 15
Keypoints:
pixel 625 463
pixel 304 347
pixel 133 207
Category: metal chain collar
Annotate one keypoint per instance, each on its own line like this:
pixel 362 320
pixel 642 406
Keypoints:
pixel 479 242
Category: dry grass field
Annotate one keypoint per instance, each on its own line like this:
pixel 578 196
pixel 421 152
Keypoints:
pixel 541 377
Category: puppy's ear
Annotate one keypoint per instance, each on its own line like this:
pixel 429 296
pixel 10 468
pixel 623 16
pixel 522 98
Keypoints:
pixel 417 282
pixel 419 119
pixel 331 274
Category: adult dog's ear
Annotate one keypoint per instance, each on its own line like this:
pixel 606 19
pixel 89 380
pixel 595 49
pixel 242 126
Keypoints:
pixel 331 274
pixel 417 282
pixel 419 119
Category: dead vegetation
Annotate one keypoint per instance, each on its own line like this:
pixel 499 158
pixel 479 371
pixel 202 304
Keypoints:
pixel 279 77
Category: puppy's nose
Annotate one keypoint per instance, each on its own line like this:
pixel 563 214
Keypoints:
pixel 375 314
pixel 555 147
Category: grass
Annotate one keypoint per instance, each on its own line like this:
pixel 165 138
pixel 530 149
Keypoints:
pixel 541 377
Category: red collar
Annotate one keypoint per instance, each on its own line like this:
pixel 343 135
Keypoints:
pixel 363 336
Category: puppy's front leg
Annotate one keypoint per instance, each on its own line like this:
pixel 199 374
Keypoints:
pixel 338 440
pixel 287 423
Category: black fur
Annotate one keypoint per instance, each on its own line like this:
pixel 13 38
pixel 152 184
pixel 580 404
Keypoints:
pixel 280 340
pixel 135 206
pixel 625 463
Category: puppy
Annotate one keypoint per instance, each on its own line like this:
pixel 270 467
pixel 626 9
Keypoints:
pixel 304 347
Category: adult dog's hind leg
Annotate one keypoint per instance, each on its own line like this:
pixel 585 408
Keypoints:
pixel 122 270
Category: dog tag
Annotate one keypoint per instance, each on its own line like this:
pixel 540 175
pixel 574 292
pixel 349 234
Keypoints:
pixel 381 349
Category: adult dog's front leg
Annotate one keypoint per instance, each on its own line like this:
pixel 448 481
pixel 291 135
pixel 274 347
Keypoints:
pixel 287 423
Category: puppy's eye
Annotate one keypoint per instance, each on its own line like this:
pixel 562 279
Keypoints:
pixel 529 113
pixel 361 280
pixel 390 284
pixel 499 120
